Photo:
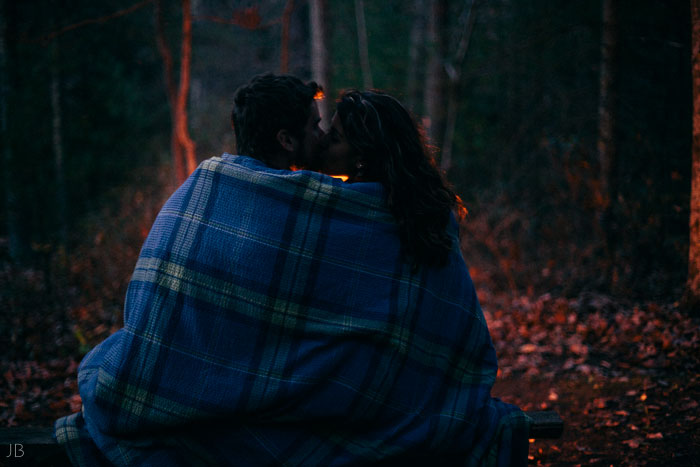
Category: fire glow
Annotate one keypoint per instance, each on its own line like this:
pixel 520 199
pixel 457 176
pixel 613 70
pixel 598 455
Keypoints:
pixel 344 178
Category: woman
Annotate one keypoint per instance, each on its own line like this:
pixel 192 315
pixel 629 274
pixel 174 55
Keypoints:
pixel 374 139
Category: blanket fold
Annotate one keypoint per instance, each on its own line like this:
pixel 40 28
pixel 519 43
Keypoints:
pixel 270 319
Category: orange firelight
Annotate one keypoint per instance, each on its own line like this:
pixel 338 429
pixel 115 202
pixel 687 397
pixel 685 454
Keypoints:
pixel 344 178
pixel 461 209
pixel 319 95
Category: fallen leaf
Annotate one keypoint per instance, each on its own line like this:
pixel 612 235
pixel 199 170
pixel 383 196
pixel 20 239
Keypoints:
pixel 633 443
pixel 689 405
pixel 75 403
pixel 654 436
pixel 528 348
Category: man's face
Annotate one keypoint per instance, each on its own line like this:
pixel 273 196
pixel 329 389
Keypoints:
pixel 337 156
pixel 312 138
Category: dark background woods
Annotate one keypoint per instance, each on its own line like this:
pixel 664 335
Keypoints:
pixel 87 104
pixel 566 131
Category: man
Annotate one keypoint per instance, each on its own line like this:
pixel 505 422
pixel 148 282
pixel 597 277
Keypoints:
pixel 276 123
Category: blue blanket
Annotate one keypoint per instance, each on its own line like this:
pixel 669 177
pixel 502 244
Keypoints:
pixel 271 320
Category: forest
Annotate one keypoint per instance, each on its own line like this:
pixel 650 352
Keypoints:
pixel 571 131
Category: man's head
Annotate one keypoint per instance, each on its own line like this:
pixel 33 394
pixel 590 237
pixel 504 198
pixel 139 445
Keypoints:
pixel 275 119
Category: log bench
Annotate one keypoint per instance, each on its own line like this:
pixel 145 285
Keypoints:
pixel 36 446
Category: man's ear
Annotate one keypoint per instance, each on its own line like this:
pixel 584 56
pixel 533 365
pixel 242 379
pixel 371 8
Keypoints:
pixel 287 141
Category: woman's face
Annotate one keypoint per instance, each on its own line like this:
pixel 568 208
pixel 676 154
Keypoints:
pixel 337 156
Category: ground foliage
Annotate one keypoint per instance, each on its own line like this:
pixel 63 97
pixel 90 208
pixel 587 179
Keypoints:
pixel 624 375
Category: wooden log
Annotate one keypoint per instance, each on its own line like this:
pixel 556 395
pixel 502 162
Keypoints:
pixel 545 425
pixel 31 446
pixel 36 446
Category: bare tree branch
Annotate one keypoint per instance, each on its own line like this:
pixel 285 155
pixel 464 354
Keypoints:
pixel 99 20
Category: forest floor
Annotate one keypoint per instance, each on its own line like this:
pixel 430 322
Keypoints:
pixel 625 379
pixel 624 376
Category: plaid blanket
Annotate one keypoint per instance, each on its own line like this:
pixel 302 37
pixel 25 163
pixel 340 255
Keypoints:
pixel 271 320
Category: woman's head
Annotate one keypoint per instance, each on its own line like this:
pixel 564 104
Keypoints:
pixel 374 138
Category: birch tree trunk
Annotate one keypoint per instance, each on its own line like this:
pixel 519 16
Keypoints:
pixel 320 57
pixel 606 135
pixel 693 286
pixel 362 44
pixel 435 78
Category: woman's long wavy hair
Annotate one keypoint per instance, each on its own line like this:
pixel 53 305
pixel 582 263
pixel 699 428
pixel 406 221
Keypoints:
pixel 393 151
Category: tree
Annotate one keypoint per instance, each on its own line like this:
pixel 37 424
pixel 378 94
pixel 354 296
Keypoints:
pixel 606 134
pixel 454 75
pixel 17 247
pixel 320 57
pixel 417 37
pixel 57 143
pixel 435 78
pixel 693 287
pixel 182 146
pixel 286 23
pixel 362 44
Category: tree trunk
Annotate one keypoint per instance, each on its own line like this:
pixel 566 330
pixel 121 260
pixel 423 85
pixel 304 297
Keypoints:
pixel 320 57
pixel 693 287
pixel 362 44
pixel 57 142
pixel 17 247
pixel 435 79
pixel 286 22
pixel 606 136
pixel 183 133
pixel 181 144
pixel 414 54
pixel 454 74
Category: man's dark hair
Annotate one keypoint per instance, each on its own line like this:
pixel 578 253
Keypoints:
pixel 266 104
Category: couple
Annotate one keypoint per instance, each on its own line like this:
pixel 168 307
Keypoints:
pixel 288 317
